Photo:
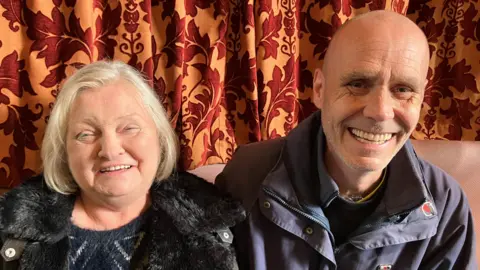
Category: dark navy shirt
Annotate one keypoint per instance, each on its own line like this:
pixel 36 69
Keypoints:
pixel 344 216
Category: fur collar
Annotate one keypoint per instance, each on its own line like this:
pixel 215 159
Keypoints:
pixel 187 215
pixel 34 212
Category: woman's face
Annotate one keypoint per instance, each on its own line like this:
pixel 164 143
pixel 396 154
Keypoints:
pixel 112 143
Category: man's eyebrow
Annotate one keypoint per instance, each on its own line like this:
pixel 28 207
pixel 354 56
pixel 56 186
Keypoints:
pixel 357 75
pixel 410 81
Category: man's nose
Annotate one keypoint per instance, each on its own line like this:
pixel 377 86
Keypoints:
pixel 110 146
pixel 379 105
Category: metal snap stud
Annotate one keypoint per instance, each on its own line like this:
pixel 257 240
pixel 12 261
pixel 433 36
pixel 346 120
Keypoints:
pixel 309 230
pixel 10 252
pixel 266 204
pixel 226 235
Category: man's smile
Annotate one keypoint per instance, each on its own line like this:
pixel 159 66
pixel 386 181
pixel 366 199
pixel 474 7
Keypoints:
pixel 368 137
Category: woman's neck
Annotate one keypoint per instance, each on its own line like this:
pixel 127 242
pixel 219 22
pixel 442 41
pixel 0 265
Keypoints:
pixel 100 216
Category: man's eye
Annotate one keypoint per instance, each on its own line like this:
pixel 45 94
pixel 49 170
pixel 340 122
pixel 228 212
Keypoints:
pixel 403 89
pixel 356 84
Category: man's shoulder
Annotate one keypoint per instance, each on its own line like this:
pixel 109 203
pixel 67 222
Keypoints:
pixel 449 166
pixel 263 153
pixel 446 191
pixel 436 178
pixel 244 173
pixel 267 145
pixel 455 231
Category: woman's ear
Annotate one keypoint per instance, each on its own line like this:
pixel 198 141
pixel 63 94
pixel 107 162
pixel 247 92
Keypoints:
pixel 318 88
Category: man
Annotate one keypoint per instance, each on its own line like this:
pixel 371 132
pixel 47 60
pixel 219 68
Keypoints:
pixel 345 189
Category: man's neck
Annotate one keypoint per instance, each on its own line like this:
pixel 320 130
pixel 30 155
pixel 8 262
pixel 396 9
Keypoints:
pixel 351 182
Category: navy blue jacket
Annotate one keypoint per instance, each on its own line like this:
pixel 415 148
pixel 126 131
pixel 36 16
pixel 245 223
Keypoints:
pixel 423 220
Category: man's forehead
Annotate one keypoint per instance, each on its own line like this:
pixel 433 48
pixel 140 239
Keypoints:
pixel 376 60
pixel 372 56
pixel 380 45
pixel 394 75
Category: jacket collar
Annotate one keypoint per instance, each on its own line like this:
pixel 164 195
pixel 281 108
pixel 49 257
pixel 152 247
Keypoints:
pixel 405 186
pixel 33 212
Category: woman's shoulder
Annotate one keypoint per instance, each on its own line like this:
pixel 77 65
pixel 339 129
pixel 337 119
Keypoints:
pixel 192 185
pixel 32 187
pixel 32 211
pixel 195 203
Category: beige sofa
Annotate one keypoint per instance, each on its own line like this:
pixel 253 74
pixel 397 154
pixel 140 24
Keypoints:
pixel 458 158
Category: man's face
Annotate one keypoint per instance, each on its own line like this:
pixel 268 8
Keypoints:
pixel 370 97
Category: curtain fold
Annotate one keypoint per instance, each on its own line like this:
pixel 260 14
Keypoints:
pixel 229 72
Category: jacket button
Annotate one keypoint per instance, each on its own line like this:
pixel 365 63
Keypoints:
pixel 266 204
pixel 309 230
pixel 10 252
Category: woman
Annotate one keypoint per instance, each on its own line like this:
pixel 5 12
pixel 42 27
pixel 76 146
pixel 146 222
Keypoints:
pixel 109 197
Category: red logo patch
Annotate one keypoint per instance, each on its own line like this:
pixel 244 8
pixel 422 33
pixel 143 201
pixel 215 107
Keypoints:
pixel 427 209
pixel 384 267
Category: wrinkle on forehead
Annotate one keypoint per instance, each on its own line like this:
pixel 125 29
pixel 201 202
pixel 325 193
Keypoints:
pixel 374 55
pixel 379 59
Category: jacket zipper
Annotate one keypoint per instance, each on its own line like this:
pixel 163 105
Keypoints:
pixel 339 248
pixel 319 221
pixel 374 225
pixel 393 218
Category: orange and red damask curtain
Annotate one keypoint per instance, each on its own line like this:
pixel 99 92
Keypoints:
pixel 228 71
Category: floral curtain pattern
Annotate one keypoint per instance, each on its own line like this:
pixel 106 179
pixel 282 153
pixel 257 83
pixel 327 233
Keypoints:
pixel 229 72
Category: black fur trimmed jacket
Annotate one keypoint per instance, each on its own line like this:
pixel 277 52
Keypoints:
pixel 187 214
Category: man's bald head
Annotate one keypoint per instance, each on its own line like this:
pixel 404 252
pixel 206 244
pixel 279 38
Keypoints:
pixel 378 25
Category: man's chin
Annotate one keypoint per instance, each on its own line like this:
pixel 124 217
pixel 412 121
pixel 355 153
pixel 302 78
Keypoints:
pixel 365 164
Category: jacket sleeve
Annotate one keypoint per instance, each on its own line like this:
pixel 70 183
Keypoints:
pixel 2 261
pixel 453 247
pixel 237 179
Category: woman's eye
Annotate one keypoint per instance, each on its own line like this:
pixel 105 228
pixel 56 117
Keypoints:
pixel 84 135
pixel 130 128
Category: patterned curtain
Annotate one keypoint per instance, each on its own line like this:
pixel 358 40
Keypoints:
pixel 228 71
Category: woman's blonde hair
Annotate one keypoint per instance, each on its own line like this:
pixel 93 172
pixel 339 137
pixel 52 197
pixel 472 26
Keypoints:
pixel 98 74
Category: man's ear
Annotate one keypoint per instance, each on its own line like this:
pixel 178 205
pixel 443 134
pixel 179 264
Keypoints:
pixel 424 89
pixel 318 88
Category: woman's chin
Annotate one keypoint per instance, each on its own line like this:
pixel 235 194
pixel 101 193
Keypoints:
pixel 114 190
